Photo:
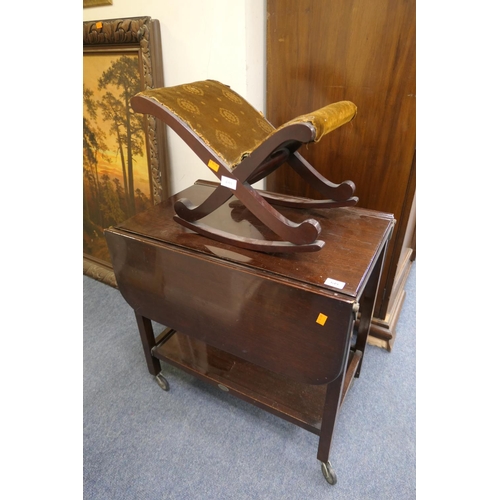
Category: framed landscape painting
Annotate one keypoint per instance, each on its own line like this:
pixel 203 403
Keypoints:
pixel 124 153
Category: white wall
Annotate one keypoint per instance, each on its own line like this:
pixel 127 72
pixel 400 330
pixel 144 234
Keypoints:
pixel 222 40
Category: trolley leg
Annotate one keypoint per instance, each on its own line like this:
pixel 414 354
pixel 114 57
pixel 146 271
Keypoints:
pixel 367 307
pixel 330 410
pixel 148 342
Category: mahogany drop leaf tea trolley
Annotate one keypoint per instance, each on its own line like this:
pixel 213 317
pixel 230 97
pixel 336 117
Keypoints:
pixel 253 301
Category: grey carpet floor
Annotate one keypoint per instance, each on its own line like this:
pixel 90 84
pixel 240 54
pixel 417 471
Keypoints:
pixel 197 442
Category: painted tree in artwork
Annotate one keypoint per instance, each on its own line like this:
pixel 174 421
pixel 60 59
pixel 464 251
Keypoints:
pixel 93 146
pixel 121 80
pixel 110 208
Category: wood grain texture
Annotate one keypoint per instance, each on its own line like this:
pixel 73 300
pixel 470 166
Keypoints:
pixel 267 328
pixel 321 52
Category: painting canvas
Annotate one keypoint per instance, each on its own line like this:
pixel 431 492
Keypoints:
pixel 116 182
pixel 124 170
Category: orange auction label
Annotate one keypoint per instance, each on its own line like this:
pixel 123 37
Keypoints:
pixel 214 166
pixel 321 319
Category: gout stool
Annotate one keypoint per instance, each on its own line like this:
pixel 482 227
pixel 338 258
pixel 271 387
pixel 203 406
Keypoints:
pixel 241 147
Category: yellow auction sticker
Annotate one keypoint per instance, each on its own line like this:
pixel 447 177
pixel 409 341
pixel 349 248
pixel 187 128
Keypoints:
pixel 214 166
pixel 321 319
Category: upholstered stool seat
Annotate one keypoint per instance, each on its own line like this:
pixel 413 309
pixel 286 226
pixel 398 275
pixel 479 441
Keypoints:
pixel 241 147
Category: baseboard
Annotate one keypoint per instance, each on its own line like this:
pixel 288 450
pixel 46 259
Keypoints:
pixel 383 331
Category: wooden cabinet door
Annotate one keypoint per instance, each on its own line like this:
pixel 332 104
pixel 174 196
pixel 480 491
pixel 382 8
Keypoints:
pixel 323 51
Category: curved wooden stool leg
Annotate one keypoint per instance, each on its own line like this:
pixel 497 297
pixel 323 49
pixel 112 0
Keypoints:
pixel 249 243
pixel 335 192
pixel 304 233
pixel 276 199
pixel 240 159
pixel 293 234
pixel 189 212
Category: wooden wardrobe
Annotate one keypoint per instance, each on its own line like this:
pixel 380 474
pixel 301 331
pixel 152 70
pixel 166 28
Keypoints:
pixel 323 51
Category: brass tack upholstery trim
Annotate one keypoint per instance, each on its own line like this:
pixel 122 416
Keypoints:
pixel 228 124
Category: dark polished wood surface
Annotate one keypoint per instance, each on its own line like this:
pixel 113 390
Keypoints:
pixel 350 234
pixel 264 327
pixel 323 51
pixel 257 318
pixel 302 404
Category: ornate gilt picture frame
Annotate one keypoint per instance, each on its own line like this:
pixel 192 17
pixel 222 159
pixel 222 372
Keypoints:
pixel 124 154
pixel 96 3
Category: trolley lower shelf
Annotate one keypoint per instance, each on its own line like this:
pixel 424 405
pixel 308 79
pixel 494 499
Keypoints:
pixel 301 404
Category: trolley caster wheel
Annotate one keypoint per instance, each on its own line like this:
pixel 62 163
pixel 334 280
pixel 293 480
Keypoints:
pixel 162 382
pixel 329 473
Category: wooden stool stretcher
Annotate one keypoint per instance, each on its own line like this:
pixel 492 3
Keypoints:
pixel 241 147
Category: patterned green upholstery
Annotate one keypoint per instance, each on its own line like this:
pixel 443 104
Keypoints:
pixel 228 124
